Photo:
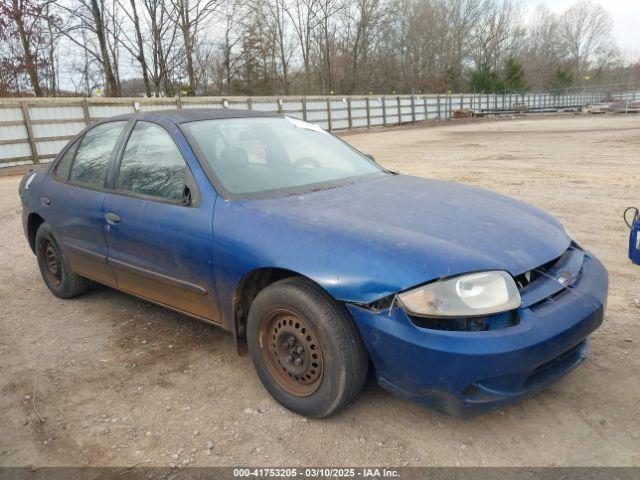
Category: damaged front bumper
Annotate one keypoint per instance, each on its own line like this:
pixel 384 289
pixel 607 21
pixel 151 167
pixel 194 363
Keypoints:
pixel 466 373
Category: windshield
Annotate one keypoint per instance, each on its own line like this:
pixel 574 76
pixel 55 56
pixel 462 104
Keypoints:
pixel 255 155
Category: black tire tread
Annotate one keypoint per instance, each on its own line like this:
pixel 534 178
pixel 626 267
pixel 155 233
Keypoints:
pixel 340 327
pixel 347 336
pixel 72 284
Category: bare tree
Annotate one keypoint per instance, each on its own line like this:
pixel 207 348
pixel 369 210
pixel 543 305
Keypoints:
pixel 97 13
pixel 585 32
pixel 365 15
pixel 462 17
pixel 274 17
pixel 232 36
pixel 497 34
pixel 90 15
pixel 304 18
pixel 135 46
pixel 190 16
pixel 325 40
pixel 162 40
pixel 542 53
pixel 29 19
pixel 113 26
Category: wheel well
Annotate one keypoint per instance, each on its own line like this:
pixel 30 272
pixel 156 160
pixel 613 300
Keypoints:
pixel 248 289
pixel 33 224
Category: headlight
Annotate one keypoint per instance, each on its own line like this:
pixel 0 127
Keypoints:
pixel 469 295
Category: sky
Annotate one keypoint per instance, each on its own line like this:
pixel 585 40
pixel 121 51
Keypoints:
pixel 625 15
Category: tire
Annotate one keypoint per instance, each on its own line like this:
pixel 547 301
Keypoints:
pixel 325 365
pixel 54 266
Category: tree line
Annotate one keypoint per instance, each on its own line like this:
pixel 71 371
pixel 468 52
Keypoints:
pixel 283 47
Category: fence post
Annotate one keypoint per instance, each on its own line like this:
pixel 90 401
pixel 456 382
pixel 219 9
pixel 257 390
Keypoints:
pixel 329 113
pixel 178 102
pixel 249 103
pixel 439 110
pixel 30 138
pixel 413 108
pixel 384 111
pixel 304 108
pixel 399 110
pixel 85 111
pixel 368 113
pixel 349 116
pixel 426 112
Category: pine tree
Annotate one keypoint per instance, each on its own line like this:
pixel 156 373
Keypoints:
pixel 514 81
pixel 486 80
pixel 562 79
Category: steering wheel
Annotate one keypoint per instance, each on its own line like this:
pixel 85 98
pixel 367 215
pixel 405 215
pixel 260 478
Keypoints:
pixel 308 160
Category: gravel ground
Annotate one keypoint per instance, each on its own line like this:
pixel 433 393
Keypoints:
pixel 107 379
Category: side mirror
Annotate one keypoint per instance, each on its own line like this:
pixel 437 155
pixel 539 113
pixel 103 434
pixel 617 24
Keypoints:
pixel 186 196
pixel 370 157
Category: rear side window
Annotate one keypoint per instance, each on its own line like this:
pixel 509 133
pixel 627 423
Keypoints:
pixel 94 153
pixel 64 164
pixel 152 164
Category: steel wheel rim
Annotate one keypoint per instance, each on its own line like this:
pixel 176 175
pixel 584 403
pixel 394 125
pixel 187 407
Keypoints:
pixel 291 352
pixel 52 263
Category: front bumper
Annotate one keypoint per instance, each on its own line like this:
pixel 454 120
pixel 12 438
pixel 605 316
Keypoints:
pixel 465 373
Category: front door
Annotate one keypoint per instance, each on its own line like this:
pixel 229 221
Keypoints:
pixel 159 236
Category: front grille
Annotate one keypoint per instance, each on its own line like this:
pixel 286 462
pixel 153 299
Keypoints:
pixel 549 270
pixel 527 278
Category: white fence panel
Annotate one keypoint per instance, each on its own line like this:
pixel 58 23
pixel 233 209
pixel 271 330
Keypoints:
pixel 50 147
pixel 56 113
pixel 57 129
pixel 8 114
pixel 102 111
pixel 13 132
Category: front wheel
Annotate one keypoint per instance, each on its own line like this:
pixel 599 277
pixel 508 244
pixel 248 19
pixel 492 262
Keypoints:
pixel 54 266
pixel 305 348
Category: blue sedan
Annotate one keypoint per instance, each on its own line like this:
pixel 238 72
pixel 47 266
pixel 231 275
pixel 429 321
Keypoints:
pixel 321 263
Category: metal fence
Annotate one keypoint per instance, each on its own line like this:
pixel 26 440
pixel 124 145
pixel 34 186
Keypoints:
pixel 34 130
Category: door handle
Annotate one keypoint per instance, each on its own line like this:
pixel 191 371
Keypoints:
pixel 45 200
pixel 112 218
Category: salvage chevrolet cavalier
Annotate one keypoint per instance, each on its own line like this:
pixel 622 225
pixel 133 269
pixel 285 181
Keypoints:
pixel 318 260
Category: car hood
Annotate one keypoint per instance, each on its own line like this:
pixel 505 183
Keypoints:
pixel 372 238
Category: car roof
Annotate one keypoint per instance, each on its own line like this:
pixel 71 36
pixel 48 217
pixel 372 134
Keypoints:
pixel 194 114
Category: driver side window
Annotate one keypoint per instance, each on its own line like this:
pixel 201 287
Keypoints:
pixel 151 164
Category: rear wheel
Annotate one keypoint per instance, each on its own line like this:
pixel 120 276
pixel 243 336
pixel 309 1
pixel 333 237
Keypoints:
pixel 305 348
pixel 54 266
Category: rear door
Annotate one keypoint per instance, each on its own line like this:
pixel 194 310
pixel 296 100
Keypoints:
pixel 160 240
pixel 72 202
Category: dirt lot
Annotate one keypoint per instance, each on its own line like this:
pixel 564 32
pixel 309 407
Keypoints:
pixel 120 382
